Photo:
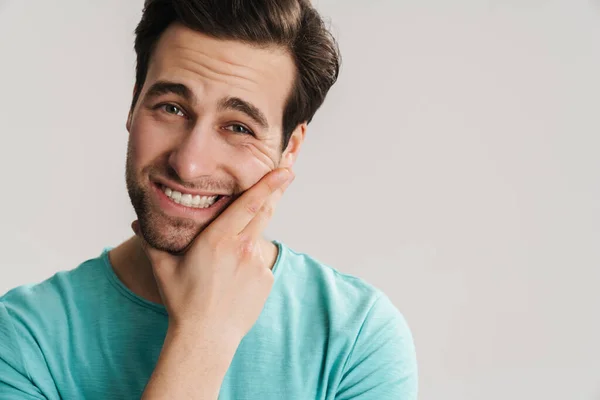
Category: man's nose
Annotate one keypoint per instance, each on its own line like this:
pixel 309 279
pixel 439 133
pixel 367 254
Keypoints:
pixel 195 155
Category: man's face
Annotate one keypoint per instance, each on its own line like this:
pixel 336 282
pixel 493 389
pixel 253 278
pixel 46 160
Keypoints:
pixel 207 123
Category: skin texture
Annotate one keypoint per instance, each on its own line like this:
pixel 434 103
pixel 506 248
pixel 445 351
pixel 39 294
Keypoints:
pixel 198 146
pixel 211 270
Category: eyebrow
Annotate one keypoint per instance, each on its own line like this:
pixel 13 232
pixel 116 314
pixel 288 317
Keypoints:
pixel 237 104
pixel 163 87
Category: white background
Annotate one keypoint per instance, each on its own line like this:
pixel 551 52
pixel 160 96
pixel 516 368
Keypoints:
pixel 455 166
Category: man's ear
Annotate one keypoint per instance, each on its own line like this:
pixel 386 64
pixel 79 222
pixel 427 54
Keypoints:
pixel 290 154
pixel 128 123
pixel 130 115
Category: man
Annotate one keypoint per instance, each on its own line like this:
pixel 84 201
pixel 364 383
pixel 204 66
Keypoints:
pixel 197 304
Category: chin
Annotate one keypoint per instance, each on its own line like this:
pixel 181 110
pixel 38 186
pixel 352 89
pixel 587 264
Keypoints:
pixel 166 234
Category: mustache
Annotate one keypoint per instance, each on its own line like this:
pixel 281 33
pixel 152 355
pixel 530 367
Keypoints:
pixel 205 183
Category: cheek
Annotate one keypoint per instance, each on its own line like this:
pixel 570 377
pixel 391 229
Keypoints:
pixel 262 155
pixel 145 142
pixel 251 164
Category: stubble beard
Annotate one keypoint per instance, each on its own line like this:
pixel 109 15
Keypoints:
pixel 163 232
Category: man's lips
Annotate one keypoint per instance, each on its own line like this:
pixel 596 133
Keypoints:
pixel 162 183
pixel 176 205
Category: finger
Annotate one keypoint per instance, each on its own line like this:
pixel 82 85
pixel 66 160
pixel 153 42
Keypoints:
pixel 260 222
pixel 239 214
pixel 158 258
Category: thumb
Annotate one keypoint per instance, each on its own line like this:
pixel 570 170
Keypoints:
pixel 158 258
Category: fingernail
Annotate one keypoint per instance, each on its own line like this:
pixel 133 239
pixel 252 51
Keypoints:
pixel 286 185
pixel 284 176
pixel 290 178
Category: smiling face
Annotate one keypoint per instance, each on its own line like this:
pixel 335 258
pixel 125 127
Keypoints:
pixel 208 122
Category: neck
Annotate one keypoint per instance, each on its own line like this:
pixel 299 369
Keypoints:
pixel 133 268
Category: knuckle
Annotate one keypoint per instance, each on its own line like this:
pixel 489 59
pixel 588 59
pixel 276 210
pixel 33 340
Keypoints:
pixel 245 246
pixel 272 187
pixel 268 210
pixel 252 207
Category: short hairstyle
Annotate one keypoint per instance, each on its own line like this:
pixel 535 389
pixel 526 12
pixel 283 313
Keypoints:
pixel 292 24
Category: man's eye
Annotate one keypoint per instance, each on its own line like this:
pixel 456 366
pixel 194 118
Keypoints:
pixel 172 109
pixel 241 129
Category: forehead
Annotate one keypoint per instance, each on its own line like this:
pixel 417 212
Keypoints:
pixel 215 68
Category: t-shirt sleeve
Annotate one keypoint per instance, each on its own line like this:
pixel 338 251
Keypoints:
pixel 382 364
pixel 15 383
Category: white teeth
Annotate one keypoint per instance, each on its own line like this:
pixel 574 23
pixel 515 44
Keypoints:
pixel 176 196
pixel 189 200
pixel 186 200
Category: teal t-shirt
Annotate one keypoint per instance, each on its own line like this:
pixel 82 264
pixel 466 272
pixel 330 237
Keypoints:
pixel 82 334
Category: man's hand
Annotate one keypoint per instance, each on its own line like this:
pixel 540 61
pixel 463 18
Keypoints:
pixel 213 293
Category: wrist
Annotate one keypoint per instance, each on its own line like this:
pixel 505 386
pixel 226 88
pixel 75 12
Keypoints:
pixel 199 337
pixel 192 360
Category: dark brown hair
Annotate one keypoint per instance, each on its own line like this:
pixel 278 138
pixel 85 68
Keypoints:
pixel 292 24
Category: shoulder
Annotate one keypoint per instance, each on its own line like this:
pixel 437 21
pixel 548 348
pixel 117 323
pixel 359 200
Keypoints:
pixel 33 320
pixel 346 295
pixel 35 317
pixel 42 304
pixel 380 360
pixel 312 279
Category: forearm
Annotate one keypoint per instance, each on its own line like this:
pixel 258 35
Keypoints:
pixel 191 365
